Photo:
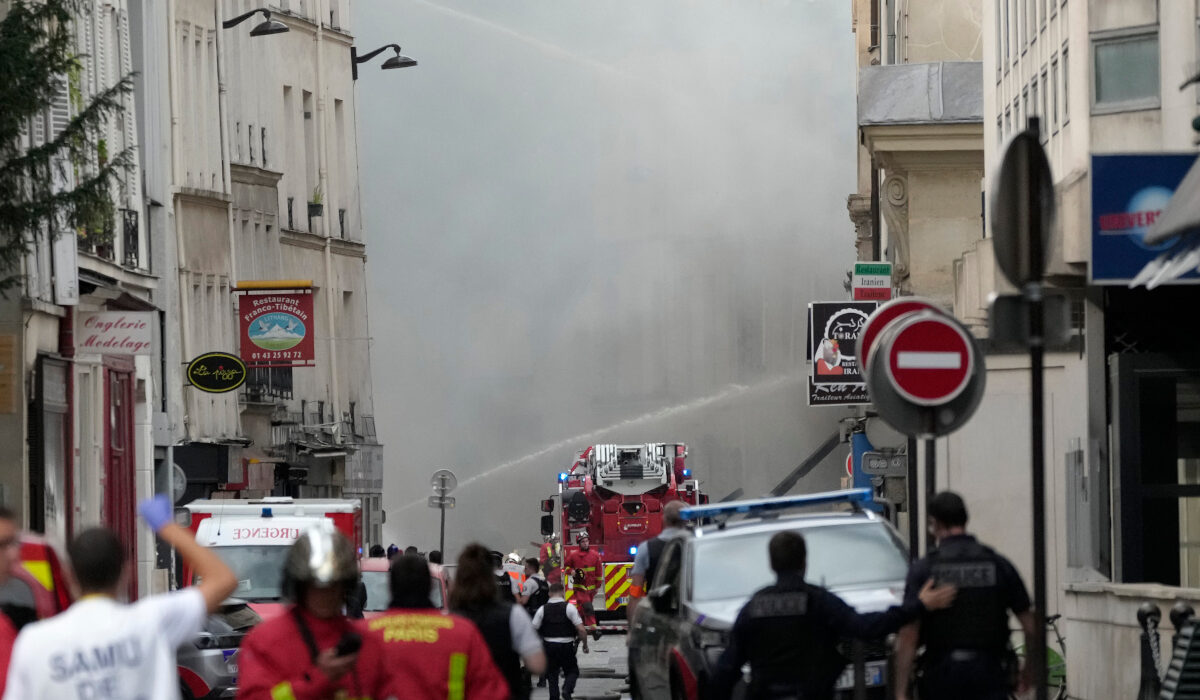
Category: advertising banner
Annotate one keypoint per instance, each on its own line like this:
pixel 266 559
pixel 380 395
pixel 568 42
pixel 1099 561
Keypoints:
pixel 115 332
pixel 836 378
pixel 1129 192
pixel 277 328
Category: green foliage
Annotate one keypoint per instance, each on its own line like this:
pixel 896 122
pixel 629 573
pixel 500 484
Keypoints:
pixel 37 64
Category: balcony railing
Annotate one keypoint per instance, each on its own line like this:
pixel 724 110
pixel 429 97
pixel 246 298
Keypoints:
pixel 265 383
pixel 131 238
pixel 101 240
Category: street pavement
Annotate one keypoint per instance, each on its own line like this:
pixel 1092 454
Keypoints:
pixel 601 673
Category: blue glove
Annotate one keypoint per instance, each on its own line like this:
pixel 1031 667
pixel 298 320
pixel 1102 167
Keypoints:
pixel 157 511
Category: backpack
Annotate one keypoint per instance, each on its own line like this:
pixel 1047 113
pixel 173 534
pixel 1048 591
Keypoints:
pixel 539 597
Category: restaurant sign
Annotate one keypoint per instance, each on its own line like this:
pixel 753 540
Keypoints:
pixel 216 372
pixel 277 327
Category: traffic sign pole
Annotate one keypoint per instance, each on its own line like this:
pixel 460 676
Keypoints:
pixel 1037 356
pixel 1022 214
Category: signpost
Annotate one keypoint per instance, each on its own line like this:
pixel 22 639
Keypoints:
pixel 443 482
pixel 1022 214
pixel 872 281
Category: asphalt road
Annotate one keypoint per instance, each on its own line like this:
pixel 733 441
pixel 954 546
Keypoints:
pixel 601 673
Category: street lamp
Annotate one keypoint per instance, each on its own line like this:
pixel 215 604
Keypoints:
pixel 397 61
pixel 268 26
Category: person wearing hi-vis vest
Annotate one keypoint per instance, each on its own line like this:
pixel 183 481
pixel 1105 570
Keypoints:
pixel 313 651
pixel 584 566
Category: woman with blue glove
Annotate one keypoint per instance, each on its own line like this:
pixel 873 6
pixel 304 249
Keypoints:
pixel 103 648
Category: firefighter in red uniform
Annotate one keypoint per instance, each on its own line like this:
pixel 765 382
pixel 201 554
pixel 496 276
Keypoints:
pixel 584 567
pixel 550 556
pixel 313 651
pixel 430 655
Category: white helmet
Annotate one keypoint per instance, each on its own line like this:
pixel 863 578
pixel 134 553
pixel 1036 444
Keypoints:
pixel 513 558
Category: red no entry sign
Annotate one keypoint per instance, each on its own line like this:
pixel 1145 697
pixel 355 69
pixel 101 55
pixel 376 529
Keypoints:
pixel 930 359
pixel 882 317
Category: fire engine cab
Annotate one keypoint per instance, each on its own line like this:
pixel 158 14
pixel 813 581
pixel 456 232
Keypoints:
pixel 615 493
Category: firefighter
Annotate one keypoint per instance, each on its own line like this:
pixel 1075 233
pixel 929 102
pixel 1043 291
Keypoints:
pixel 967 651
pixel 10 548
pixel 584 567
pixel 550 558
pixel 788 632
pixel 514 566
pixel 313 651
pixel 430 655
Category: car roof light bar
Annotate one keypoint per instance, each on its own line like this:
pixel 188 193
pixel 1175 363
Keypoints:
pixel 755 506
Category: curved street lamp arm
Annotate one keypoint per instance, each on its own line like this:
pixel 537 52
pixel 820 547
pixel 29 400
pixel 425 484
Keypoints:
pixel 242 18
pixel 368 56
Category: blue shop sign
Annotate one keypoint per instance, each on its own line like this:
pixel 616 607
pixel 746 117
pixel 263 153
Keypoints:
pixel 1128 193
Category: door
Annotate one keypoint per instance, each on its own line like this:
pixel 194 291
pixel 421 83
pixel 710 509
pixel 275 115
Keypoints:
pixel 1155 414
pixel 120 491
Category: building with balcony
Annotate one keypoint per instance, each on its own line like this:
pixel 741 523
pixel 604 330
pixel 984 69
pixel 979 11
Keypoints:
pixel 76 411
pixel 261 176
pixel 1103 78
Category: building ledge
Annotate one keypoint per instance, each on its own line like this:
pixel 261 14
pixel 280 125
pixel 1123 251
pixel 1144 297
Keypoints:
pixel 921 93
pixel 245 174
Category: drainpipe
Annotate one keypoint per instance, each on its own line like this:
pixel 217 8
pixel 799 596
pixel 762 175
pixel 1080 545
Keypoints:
pixel 875 233
pixel 323 178
pixel 222 114
pixel 66 348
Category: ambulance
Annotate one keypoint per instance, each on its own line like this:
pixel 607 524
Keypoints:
pixel 253 537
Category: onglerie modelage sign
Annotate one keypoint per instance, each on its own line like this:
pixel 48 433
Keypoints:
pixel 115 332
pixel 277 328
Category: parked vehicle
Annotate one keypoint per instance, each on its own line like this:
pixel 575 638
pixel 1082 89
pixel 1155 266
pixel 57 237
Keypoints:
pixel 375 577
pixel 39 587
pixel 702 582
pixel 208 666
pixel 253 537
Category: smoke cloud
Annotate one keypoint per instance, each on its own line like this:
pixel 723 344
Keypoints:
pixel 598 222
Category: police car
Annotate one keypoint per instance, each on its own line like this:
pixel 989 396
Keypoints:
pixel 701 583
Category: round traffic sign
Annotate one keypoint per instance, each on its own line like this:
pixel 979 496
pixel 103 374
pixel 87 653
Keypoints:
pixel 929 358
pixel 443 482
pixel 884 315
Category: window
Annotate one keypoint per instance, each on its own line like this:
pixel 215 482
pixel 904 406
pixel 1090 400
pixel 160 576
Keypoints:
pixel 999 131
pixel 1126 72
pixel 1066 75
pixel 1004 37
pixel 1053 93
pixel 1007 121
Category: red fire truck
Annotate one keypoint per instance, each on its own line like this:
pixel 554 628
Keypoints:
pixel 615 493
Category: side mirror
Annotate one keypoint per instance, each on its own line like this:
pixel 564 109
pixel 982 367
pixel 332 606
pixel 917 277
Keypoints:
pixel 547 505
pixel 547 524
pixel 662 598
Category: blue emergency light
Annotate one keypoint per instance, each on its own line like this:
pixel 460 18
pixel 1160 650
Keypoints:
pixel 687 473
pixel 633 551
pixel 562 476
pixel 765 505
pixel 266 513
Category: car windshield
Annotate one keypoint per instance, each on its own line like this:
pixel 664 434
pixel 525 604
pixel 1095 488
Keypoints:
pixel 259 570
pixel 378 595
pixel 838 556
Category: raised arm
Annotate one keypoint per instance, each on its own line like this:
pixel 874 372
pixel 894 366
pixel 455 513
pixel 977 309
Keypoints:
pixel 217 580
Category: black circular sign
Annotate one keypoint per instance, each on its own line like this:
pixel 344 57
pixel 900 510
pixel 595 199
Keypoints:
pixel 217 372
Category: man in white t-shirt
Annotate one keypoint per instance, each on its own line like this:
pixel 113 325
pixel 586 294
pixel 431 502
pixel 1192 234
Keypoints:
pixel 100 648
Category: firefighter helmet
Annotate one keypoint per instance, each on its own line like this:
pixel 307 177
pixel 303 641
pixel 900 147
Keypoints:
pixel 321 556
pixel 513 558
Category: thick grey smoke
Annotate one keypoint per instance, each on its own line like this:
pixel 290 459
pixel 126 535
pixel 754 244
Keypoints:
pixel 598 222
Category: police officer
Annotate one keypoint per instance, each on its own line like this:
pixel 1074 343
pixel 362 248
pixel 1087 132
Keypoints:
pixel 645 562
pixel 788 632
pixel 966 645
